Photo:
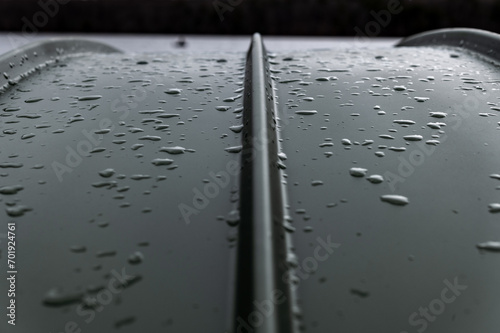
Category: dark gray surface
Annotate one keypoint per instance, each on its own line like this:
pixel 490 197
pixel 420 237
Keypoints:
pixel 384 263
pixel 392 260
pixel 186 269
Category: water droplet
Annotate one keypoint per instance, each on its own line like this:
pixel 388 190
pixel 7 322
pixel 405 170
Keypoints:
pixel 435 125
pixel 108 184
pixel 7 190
pixel 34 99
pixel 233 218
pixel 421 99
pixel 173 150
pixel 306 112
pixel 413 137
pixel 136 258
pixel 167 115
pixel 27 136
pixel 438 114
pixel 56 297
pixel 367 142
pixel 173 91
pixel 346 142
pixel 375 179
pixel 139 177
pixel 358 172
pixel 236 128
pixel 395 199
pixel 397 148
pixel 360 293
pixel 162 161
pixel 78 248
pixel 89 98
pixel 494 207
pixel 136 146
pixel 489 246
pixel 235 149
pixel 404 122
pixel 150 138
pixel 10 165
pixel 106 173
pixel 12 109
pixel 18 210
pixel 222 108
pixel 29 115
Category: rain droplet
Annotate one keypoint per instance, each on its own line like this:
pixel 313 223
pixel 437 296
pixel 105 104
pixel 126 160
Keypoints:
pixel 78 248
pixel 397 148
pixel 34 99
pixel 222 108
pixel 150 138
pixel 358 172
pixel 11 189
pixel 89 98
pixel 106 173
pixel 18 210
pixel 162 161
pixel 236 128
pixel 173 150
pixel 494 207
pixel 489 246
pixel 233 218
pixel 97 150
pixel 421 99
pixel 413 137
pixel 375 179
pixel 10 165
pixel 346 142
pixel 136 146
pixel 306 112
pixel 438 114
pixel 235 149
pixel 135 258
pixel 395 199
pixel 404 122
pixel 173 91
pixel 55 297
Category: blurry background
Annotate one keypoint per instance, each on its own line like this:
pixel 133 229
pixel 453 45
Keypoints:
pixel 270 17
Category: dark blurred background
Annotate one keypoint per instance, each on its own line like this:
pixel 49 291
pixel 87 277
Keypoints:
pixel 270 17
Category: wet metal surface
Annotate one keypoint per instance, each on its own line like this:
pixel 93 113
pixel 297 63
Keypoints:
pixel 346 190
